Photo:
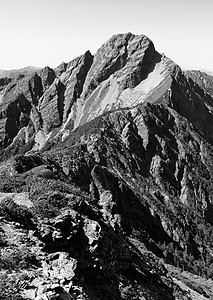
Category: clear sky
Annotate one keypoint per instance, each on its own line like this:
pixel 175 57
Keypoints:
pixel 48 32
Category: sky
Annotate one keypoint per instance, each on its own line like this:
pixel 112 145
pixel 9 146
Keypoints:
pixel 48 32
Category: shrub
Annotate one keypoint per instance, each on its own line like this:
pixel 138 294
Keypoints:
pixel 14 212
pixel 24 163
pixel 3 241
pixel 18 258
pixel 49 205
pixel 10 184
pixel 10 286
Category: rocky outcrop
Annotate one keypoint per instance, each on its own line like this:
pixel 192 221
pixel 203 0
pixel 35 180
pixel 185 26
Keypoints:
pixel 73 79
pixel 4 82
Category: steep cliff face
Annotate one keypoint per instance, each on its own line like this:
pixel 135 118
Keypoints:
pixel 113 179
pixel 49 96
pixel 126 70
pixel 203 79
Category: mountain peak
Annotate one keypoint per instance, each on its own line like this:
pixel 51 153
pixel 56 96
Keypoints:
pixel 128 36
pixel 119 67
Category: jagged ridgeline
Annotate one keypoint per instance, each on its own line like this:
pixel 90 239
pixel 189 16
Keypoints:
pixel 106 178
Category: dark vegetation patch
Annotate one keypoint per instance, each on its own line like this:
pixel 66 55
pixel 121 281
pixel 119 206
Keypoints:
pixel 17 148
pixel 11 211
pixel 49 205
pixel 11 285
pixel 24 163
pixel 17 258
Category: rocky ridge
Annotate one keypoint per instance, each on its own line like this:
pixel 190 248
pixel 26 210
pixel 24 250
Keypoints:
pixel 203 79
pixel 111 178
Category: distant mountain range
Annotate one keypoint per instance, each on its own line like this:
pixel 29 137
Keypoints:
pixel 16 72
pixel 208 72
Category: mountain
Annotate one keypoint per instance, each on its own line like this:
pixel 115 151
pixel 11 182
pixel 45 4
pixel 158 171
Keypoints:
pixel 17 72
pixel 203 79
pixel 106 178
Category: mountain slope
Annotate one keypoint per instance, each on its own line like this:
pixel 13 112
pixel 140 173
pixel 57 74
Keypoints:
pixel 17 72
pixel 203 79
pixel 113 178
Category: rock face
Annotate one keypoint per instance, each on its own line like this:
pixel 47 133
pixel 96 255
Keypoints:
pixel 111 178
pixel 41 102
pixel 203 79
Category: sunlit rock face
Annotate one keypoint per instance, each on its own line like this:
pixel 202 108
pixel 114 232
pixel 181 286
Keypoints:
pixel 106 178
pixel 126 71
